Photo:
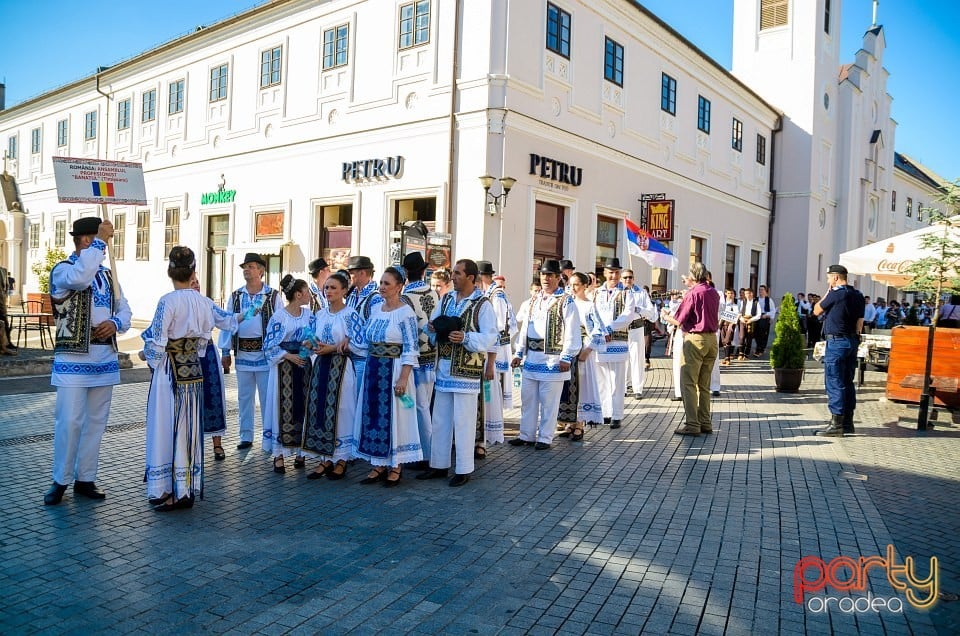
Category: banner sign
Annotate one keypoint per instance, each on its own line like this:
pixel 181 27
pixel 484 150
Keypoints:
pixel 660 219
pixel 729 315
pixel 99 181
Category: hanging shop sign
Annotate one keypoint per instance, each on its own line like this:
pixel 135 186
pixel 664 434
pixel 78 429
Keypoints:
pixel 660 219
pixel 372 169
pixel 550 171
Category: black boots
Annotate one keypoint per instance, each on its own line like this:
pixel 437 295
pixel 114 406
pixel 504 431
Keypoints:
pixel 848 423
pixel 835 428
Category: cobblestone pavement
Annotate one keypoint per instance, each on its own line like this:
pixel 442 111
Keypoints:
pixel 632 531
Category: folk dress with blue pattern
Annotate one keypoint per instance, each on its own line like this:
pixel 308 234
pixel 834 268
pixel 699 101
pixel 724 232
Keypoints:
pixel 385 431
pixel 285 412
pixel 588 407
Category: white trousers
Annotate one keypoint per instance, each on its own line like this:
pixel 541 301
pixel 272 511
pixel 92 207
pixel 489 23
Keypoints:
pixel 638 360
pixel 613 384
pixel 454 422
pixel 248 383
pixel 677 353
pixel 540 405
pixel 506 381
pixel 81 415
pixel 423 380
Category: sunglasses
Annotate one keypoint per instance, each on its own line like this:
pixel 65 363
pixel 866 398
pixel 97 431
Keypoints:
pixel 630 277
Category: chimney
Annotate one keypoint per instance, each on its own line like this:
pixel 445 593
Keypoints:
pixel 3 95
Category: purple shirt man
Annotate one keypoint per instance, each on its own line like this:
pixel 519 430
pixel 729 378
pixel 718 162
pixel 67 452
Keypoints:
pixel 699 318
pixel 700 310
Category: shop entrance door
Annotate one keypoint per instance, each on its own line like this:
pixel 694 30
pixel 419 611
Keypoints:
pixel 218 232
pixel 547 233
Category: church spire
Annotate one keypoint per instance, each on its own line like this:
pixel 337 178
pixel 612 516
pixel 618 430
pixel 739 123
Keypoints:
pixel 876 3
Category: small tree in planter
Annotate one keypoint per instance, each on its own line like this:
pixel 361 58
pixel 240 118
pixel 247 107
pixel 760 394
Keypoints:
pixel 43 268
pixel 787 356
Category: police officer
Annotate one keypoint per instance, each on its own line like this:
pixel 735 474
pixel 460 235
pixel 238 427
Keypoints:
pixel 842 308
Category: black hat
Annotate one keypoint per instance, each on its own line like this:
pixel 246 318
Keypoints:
pixel 413 262
pixel 837 269
pixel 550 266
pixel 86 226
pixel 253 257
pixel 566 264
pixel 485 267
pixel 445 325
pixel 316 266
pixel 359 262
pixel 611 263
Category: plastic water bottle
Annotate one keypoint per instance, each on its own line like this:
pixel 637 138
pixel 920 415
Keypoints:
pixel 486 391
pixel 406 401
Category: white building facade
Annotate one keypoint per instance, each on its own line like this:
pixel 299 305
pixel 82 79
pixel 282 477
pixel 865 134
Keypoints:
pixel 300 129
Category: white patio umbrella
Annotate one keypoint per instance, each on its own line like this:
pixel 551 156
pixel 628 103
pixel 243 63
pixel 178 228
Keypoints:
pixel 886 260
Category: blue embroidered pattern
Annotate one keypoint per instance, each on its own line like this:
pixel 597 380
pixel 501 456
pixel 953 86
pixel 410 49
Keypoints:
pixel 452 383
pixel 541 368
pixel 85 368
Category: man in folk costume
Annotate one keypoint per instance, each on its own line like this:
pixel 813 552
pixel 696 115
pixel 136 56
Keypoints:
pixel 498 365
pixel 253 371
pixel 424 301
pixel 363 296
pixel 566 271
pixel 319 272
pixel 749 314
pixel 616 308
pixel 90 311
pixel 768 311
pixel 548 343
pixel 465 328
pixel 636 332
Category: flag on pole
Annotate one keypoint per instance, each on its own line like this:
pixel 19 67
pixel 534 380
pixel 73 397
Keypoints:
pixel 644 246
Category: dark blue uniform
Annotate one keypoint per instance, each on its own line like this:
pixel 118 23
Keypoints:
pixel 843 307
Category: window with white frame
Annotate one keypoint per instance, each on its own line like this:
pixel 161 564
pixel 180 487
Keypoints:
pixel 218 82
pixel 35 141
pixel 558 30
pixel 60 232
pixel 270 61
pixel 149 106
pixel 761 150
pixel 123 114
pixel 119 235
pixel 90 125
pixel 171 229
pixel 12 147
pixel 668 94
pixel 414 24
pixel 703 114
pixel 143 235
pixel 62 133
pixel 335 44
pixel 175 97
pixel 736 141
pixel 34 236
pixel 613 62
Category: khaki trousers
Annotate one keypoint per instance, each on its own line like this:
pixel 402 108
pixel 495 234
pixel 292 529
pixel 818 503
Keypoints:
pixel 696 364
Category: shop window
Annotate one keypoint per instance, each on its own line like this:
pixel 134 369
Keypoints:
pixel 337 234
pixel 547 233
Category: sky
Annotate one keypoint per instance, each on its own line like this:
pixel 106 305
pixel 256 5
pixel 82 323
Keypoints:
pixel 49 43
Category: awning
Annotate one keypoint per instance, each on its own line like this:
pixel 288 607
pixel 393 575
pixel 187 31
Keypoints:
pixel 887 260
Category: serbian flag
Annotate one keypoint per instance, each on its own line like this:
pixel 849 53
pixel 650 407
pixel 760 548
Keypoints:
pixel 644 246
pixel 102 189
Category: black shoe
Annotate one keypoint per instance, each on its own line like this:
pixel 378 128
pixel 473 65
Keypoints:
pixel 319 472
pixel 420 465
pixel 834 429
pixel 180 504
pixel 88 489
pixel 606 420
pixel 615 424
pixel 433 473
pixel 244 445
pixel 372 479
pixel 516 441
pixel 675 399
pixel 299 461
pixel 848 423
pixel 715 393
pixel 218 453
pixel 541 446
pixel 459 480
pixel 54 495
pixel 279 468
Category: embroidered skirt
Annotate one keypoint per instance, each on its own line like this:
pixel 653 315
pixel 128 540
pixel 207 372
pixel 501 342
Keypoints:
pixel 331 408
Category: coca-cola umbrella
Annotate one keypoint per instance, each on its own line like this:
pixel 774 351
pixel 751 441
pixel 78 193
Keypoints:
pixel 886 260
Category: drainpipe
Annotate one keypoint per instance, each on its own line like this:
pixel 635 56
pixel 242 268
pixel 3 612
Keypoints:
pixel 455 63
pixel 773 194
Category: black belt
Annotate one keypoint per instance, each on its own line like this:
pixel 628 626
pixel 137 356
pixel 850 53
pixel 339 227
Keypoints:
pixel 839 336
pixel 535 344
pixel 385 350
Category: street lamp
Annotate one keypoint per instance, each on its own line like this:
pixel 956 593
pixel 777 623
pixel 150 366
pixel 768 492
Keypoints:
pixel 496 202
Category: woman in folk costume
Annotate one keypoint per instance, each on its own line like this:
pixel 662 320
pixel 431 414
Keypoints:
pixel 385 431
pixel 289 381
pixel 580 401
pixel 179 332
pixel 331 402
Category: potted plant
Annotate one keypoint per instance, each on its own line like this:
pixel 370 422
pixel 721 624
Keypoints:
pixel 787 356
pixel 42 270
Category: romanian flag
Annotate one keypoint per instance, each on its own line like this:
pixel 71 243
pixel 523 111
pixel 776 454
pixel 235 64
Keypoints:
pixel 644 246
pixel 102 189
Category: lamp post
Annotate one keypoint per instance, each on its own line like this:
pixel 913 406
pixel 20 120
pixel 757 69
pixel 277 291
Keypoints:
pixel 495 203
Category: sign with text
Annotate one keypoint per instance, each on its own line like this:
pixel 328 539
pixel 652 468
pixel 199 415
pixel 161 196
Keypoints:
pixel 660 219
pixel 99 181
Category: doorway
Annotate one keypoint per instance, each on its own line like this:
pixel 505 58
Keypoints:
pixel 218 234
pixel 547 233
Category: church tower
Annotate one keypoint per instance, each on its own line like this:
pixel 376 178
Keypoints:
pixel 788 52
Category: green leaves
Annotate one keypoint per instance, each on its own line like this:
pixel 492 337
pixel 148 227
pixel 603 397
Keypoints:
pixel 787 351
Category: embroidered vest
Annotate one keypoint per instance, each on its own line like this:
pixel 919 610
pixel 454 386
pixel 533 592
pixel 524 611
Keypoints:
pixel 423 302
pixel 72 315
pixel 618 304
pixel 364 307
pixel 553 343
pixel 463 362
pixel 503 335
pixel 266 311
